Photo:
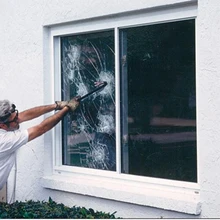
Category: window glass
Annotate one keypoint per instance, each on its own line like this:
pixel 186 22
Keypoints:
pixel 157 100
pixel 158 112
pixel 88 137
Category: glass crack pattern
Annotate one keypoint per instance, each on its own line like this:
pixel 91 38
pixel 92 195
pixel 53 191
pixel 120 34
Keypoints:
pixel 89 133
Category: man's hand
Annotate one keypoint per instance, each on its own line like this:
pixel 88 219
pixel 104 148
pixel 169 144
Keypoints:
pixel 73 103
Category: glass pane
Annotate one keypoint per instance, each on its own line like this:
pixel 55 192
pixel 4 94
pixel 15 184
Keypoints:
pixel 159 101
pixel 89 133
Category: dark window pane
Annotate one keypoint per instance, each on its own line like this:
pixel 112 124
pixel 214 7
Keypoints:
pixel 159 100
pixel 88 134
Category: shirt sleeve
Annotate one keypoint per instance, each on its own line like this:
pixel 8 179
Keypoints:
pixel 12 140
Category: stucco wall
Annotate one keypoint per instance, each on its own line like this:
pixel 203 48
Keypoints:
pixel 208 87
pixel 22 81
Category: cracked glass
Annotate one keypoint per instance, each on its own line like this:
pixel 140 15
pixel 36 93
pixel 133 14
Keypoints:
pixel 89 133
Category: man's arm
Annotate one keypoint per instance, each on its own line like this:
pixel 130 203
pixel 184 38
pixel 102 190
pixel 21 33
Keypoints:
pixel 35 112
pixel 47 124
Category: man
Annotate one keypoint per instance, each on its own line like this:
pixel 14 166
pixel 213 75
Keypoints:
pixel 11 138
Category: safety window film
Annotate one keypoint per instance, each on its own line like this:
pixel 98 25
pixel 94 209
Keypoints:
pixel 89 134
pixel 158 112
pixel 157 100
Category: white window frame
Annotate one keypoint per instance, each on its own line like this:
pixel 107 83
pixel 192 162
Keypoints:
pixel 161 193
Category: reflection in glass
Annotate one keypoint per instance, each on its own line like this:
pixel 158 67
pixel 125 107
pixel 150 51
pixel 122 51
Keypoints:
pixel 159 101
pixel 89 133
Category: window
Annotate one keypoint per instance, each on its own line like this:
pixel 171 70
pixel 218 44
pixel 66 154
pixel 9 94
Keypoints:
pixel 140 130
pixel 89 134
pixel 158 100
pixel 158 107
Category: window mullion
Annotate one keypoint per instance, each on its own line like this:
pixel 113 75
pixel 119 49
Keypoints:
pixel 57 96
pixel 117 103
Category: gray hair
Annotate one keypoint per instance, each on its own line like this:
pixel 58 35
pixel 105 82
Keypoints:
pixel 5 108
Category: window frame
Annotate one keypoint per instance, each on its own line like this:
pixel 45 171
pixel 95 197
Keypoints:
pixel 155 192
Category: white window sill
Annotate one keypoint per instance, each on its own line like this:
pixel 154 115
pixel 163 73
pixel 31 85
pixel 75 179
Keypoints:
pixel 174 198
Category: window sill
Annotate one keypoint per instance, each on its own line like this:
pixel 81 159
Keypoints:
pixel 173 198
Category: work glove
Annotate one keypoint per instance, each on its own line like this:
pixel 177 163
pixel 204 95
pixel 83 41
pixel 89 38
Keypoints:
pixel 73 103
pixel 61 104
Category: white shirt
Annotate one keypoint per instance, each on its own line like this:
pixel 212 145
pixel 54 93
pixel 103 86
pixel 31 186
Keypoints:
pixel 10 141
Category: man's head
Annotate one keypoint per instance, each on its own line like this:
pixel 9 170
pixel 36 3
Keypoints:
pixel 8 116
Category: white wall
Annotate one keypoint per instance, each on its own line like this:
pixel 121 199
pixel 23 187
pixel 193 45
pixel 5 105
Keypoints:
pixel 208 87
pixel 22 81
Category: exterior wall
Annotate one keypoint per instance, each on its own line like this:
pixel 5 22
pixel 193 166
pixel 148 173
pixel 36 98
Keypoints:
pixel 22 81
pixel 208 54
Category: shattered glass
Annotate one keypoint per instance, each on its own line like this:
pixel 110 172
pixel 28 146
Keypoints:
pixel 89 133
